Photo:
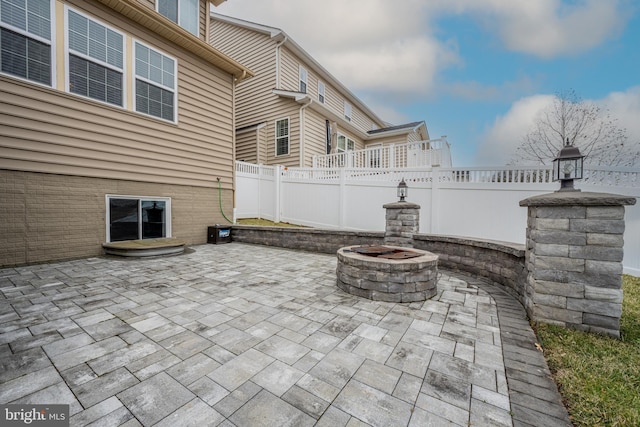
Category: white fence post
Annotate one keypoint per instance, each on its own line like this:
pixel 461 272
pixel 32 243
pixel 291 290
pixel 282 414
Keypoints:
pixel 435 200
pixel 277 202
pixel 343 199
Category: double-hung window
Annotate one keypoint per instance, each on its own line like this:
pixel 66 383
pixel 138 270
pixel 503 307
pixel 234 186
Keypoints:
pixel 303 79
pixel 155 83
pixel 183 12
pixel 282 137
pixel 347 111
pixel 95 58
pixel 26 39
pixel 321 91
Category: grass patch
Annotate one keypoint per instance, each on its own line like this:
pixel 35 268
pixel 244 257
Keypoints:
pixel 599 377
pixel 265 223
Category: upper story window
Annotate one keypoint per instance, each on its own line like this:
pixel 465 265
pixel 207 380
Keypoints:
pixel 321 90
pixel 303 79
pixel 282 137
pixel 96 59
pixel 347 111
pixel 155 83
pixel 26 39
pixel 183 12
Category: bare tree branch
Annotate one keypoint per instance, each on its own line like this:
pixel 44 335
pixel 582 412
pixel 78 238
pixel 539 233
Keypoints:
pixel 586 126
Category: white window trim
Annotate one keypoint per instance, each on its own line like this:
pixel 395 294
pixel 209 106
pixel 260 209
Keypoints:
pixel 303 77
pixel 51 43
pixel 151 82
pixel 197 34
pixel 288 136
pixel 108 197
pixel 88 58
pixel 347 111
pixel 322 92
pixel 346 143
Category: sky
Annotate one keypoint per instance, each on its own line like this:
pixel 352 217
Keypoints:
pixel 477 71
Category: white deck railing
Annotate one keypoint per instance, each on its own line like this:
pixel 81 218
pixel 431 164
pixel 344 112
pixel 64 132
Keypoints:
pixel 434 152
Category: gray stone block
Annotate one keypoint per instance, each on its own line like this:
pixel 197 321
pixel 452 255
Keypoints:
pixel 562 237
pixel 574 290
pixel 595 307
pixel 606 322
pixel 598 253
pixel 559 263
pixel 548 249
pixel 562 212
pixel 605 212
pixel 552 224
pixel 611 240
pixel 606 226
pixel 603 294
pixel 603 267
pixel 546 313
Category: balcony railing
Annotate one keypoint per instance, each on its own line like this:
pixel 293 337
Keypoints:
pixel 434 152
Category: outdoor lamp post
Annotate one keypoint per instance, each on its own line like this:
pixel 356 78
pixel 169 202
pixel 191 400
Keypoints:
pixel 403 190
pixel 567 167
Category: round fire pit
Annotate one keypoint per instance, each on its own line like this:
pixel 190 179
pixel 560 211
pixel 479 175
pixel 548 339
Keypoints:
pixel 387 273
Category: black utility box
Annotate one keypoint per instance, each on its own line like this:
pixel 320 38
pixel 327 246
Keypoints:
pixel 219 234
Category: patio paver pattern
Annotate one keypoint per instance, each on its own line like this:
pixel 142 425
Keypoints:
pixel 247 335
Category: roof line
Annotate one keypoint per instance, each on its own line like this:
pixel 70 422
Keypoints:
pixel 274 33
pixel 171 31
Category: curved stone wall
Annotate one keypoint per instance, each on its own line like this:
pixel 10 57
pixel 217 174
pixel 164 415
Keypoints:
pixel 501 262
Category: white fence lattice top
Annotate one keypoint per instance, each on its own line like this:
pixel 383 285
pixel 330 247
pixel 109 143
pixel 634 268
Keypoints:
pixel 599 176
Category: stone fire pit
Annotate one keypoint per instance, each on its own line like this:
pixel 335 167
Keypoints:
pixel 387 273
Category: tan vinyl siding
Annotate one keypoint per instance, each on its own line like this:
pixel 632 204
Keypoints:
pixel 289 71
pixel 151 4
pixel 282 109
pixel 413 137
pixel 315 140
pixel 262 145
pixel 46 130
pixel 247 146
pixel 254 97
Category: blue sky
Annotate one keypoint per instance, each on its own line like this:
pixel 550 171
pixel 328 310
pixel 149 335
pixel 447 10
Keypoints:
pixel 478 71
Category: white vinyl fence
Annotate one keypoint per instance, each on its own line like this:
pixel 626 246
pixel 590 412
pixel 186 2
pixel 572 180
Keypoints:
pixel 473 202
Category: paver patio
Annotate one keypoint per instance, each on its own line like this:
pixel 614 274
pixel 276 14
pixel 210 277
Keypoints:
pixel 248 335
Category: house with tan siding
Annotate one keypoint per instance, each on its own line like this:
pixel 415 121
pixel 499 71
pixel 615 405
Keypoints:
pixel 116 123
pixel 294 109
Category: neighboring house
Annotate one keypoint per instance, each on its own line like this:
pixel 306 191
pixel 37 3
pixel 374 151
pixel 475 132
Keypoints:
pixel 294 109
pixel 116 121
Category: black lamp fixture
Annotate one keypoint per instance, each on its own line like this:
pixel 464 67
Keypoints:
pixel 567 167
pixel 403 190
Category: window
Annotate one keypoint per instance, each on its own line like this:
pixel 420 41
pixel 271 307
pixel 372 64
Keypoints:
pixel 96 59
pixel 321 90
pixel 135 218
pixel 347 111
pixel 183 12
pixel 26 39
pixel 303 79
pixel 155 83
pixel 282 137
pixel 345 144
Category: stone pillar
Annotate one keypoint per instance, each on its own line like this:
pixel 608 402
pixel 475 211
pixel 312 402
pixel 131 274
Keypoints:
pixel 403 221
pixel 574 259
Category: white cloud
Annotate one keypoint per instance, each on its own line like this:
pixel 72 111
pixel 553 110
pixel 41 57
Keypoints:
pixel 544 28
pixel 498 143
pixel 625 106
pixel 369 45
